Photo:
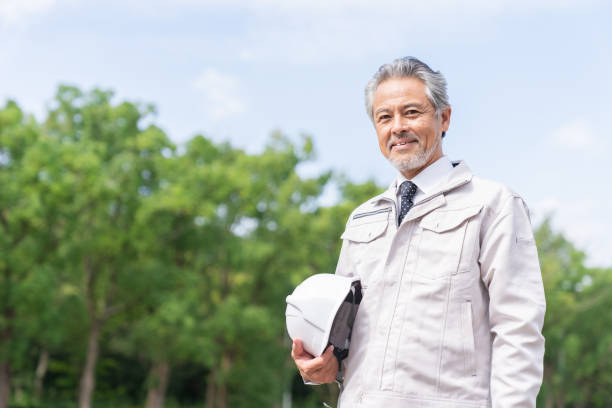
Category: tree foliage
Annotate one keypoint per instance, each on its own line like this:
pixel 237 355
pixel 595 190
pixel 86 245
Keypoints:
pixel 578 326
pixel 133 271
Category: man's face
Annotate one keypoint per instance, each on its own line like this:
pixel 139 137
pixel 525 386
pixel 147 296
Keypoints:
pixel 409 131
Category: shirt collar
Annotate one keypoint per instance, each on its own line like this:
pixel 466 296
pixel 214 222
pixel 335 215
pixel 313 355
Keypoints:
pixel 430 177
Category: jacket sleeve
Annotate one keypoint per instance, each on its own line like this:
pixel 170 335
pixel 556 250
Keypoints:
pixel 511 271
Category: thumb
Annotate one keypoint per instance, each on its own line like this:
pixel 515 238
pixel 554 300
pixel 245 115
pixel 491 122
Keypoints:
pixel 298 347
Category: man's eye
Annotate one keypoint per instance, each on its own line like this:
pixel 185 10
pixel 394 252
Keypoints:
pixel 383 117
pixel 412 112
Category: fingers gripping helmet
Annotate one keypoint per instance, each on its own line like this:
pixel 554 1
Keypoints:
pixel 321 311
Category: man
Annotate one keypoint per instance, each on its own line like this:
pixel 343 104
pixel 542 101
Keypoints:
pixel 453 301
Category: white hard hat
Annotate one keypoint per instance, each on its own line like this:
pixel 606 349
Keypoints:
pixel 321 311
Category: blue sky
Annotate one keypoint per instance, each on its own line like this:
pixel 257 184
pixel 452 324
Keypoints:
pixel 529 81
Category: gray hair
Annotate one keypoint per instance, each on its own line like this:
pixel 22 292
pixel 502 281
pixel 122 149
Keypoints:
pixel 409 67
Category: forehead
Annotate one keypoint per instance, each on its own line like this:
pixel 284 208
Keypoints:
pixel 399 90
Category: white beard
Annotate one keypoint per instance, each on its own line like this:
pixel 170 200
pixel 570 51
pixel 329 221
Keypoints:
pixel 416 161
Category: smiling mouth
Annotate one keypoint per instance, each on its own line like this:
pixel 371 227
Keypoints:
pixel 403 143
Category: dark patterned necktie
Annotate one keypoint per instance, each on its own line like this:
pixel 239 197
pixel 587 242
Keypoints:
pixel 407 191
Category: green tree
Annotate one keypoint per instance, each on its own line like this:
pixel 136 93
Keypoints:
pixel 122 252
pixel 578 326
pixel 262 206
pixel 31 231
pixel 110 161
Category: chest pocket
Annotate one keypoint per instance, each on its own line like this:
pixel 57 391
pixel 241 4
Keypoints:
pixel 367 226
pixel 443 244
pixel 366 233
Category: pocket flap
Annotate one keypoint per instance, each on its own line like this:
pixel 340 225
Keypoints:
pixel 440 221
pixel 365 232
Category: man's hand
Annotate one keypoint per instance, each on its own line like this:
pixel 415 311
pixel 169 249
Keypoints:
pixel 322 369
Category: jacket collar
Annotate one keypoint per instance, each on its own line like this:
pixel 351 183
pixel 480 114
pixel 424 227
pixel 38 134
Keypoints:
pixel 459 175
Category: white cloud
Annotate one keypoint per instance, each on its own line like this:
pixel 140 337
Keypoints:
pixel 330 7
pixel 15 11
pixel 315 31
pixel 577 134
pixel 222 96
pixel 312 31
pixel 304 31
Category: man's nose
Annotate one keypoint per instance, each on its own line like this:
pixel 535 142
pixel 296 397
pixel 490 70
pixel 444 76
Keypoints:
pixel 399 125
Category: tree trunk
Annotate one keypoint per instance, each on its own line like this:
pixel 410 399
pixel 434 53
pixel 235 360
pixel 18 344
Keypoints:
pixel 560 397
pixel 159 375
pixel 216 394
pixel 210 389
pixel 41 370
pixel 549 402
pixel 87 384
pixel 6 338
pixel 5 384
pixel 226 365
pixel 222 396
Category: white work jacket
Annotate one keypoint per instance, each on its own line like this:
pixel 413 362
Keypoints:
pixel 453 301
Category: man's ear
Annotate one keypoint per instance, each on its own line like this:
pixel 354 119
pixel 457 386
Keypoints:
pixel 445 116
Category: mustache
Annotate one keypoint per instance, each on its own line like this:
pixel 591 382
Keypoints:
pixel 404 136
